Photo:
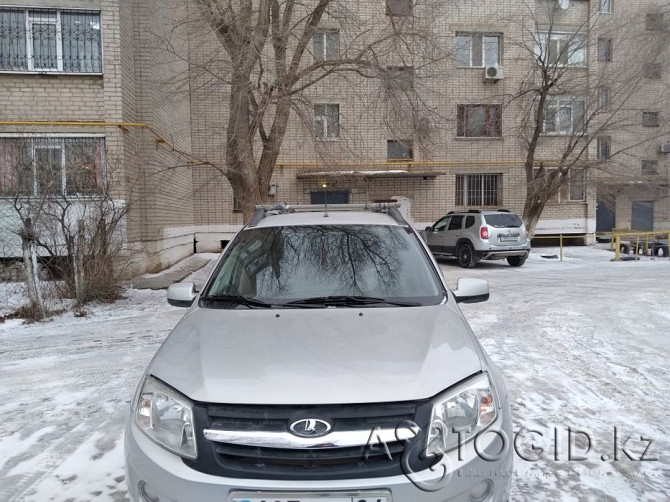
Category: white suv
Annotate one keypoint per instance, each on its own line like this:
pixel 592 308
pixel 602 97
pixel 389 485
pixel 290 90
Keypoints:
pixel 476 235
pixel 325 360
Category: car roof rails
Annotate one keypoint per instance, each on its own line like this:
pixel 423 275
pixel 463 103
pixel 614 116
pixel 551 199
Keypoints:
pixel 474 211
pixel 503 210
pixel 263 211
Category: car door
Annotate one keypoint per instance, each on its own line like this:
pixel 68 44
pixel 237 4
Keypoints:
pixel 453 233
pixel 435 236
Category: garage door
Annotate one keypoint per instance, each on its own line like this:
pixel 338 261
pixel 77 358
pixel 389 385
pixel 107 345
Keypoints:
pixel 643 215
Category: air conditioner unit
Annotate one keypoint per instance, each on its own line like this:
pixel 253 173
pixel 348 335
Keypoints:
pixel 493 73
pixel 665 148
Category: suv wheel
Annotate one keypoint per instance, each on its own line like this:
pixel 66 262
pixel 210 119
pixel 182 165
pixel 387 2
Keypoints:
pixel 466 255
pixel 516 261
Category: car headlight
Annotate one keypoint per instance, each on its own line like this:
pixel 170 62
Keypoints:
pixel 166 416
pixel 460 414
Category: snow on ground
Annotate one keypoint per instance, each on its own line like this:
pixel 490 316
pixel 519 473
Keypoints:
pixel 583 345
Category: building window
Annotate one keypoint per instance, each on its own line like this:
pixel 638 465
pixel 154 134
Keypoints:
pixel 605 7
pixel 478 189
pixel 565 116
pixel 400 77
pixel 649 167
pixel 399 149
pixel 653 71
pixel 51 166
pixel 400 8
pixel 42 40
pixel 327 121
pixel 476 50
pixel 604 147
pixel 326 45
pixel 603 98
pixel 577 185
pixel 650 119
pixel 479 121
pixel 655 21
pixel 562 49
pixel 605 50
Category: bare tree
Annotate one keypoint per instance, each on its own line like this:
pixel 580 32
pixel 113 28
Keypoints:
pixel 66 215
pixel 270 53
pixel 577 117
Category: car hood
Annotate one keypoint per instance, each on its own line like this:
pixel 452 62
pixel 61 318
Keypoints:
pixel 317 356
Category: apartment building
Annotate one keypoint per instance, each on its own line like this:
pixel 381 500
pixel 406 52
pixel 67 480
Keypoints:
pixel 83 108
pixel 99 76
pixel 468 153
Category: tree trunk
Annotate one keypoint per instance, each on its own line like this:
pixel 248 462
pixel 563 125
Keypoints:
pixel 31 271
pixel 540 188
pixel 78 265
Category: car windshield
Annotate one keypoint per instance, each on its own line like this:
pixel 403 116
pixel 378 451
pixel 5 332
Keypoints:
pixel 503 220
pixel 326 265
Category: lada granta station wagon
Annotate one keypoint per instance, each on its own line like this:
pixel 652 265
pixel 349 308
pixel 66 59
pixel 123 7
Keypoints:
pixel 325 360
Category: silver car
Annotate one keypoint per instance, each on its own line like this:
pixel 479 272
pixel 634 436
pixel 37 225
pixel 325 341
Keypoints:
pixel 325 360
pixel 476 235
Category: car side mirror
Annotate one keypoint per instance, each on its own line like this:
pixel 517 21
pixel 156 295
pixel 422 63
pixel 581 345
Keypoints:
pixel 181 294
pixel 429 229
pixel 471 291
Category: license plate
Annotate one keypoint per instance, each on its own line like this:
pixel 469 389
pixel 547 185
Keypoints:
pixel 310 497
pixel 508 238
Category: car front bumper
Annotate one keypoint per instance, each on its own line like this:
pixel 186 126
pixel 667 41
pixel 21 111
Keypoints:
pixel 485 464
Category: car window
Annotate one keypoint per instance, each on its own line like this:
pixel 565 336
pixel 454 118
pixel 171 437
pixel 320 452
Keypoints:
pixel 456 223
pixel 503 220
pixel 441 225
pixel 281 264
pixel 469 221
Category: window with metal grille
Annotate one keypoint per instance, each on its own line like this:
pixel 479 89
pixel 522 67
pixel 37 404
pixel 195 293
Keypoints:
pixel 650 119
pixel 399 149
pixel 478 189
pixel 649 167
pixel 44 40
pixel 476 50
pixel 51 166
pixel 565 116
pixel 561 49
pixel 400 8
pixel 605 50
pixel 604 147
pixel 479 121
pixel 326 44
pixel 327 121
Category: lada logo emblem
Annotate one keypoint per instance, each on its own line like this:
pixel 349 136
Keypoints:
pixel 310 427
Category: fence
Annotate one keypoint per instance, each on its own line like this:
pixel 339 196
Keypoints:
pixel 561 238
pixel 642 241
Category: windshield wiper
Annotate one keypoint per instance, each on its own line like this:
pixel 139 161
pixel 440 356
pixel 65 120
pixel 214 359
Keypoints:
pixel 237 300
pixel 347 301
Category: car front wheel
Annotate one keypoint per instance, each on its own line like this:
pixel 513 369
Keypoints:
pixel 466 255
pixel 516 261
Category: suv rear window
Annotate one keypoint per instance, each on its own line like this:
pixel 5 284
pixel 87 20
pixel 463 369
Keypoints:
pixel 503 220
